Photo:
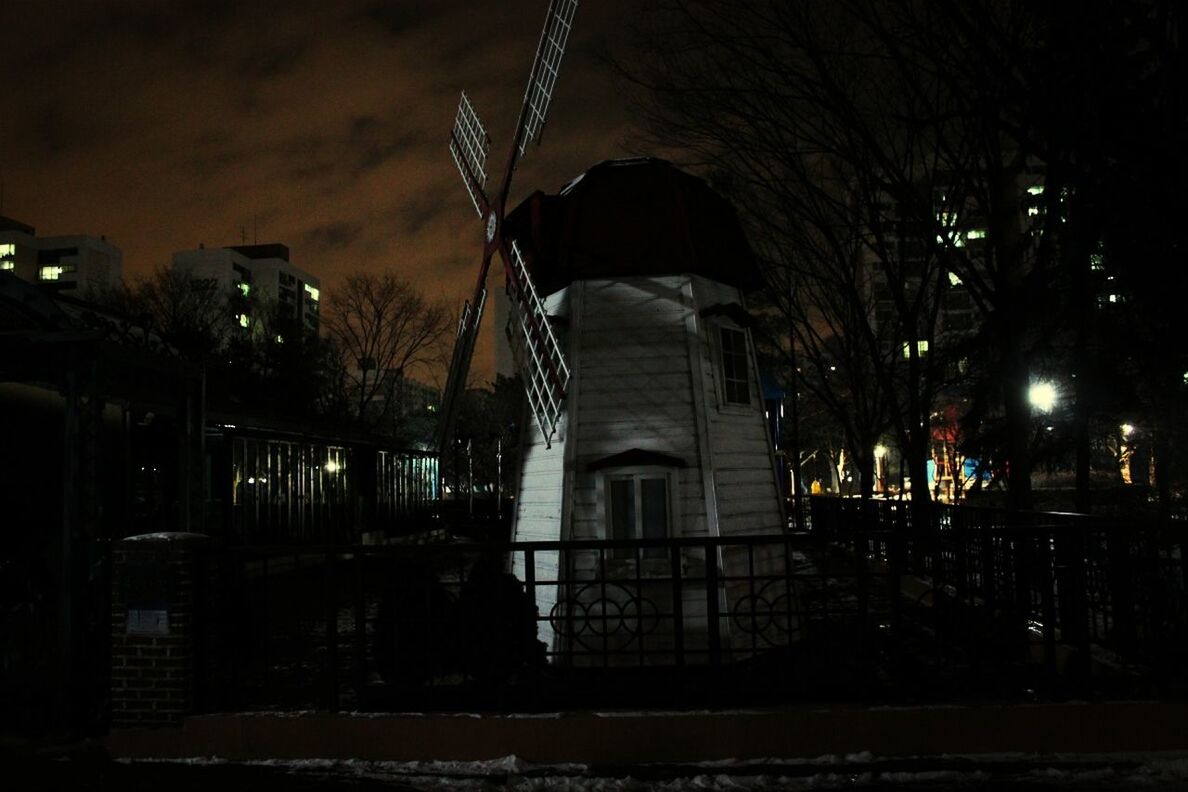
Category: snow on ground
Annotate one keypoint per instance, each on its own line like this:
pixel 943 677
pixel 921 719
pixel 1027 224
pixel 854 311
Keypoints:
pixel 854 771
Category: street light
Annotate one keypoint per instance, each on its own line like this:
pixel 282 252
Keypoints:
pixel 1042 396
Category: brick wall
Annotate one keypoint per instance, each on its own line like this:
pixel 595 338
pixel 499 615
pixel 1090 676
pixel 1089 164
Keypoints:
pixel 157 580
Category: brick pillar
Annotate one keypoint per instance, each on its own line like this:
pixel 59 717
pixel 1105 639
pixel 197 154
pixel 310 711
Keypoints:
pixel 156 582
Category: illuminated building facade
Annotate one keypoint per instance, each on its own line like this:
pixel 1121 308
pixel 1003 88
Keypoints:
pixel 74 263
pixel 262 272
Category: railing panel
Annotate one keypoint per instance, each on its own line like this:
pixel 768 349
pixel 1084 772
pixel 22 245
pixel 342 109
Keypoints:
pixel 878 607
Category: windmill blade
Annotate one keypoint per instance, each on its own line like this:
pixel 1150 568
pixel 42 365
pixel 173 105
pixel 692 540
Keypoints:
pixel 535 346
pixel 469 145
pixel 543 76
pixel 468 326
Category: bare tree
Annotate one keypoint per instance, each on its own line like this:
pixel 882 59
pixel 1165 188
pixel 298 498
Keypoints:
pixel 912 122
pixel 383 328
pixel 192 314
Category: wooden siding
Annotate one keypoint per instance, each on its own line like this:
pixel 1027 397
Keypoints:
pixel 745 486
pixel 646 374
pixel 636 391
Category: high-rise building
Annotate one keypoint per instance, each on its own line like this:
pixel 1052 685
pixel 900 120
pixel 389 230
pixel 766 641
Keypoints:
pixel 262 271
pixel 74 263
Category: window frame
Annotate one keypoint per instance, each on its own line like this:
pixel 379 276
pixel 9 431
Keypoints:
pixel 637 475
pixel 721 379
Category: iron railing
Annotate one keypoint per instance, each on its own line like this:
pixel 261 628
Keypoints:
pixel 870 606
pixel 1096 592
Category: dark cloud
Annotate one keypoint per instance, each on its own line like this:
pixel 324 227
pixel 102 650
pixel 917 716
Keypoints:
pixel 161 123
pixel 333 236
pixel 415 215
pixel 51 130
pixel 395 18
pixel 271 60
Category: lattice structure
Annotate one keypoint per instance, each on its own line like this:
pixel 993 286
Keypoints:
pixel 544 70
pixel 538 353
pixel 468 326
pixel 469 146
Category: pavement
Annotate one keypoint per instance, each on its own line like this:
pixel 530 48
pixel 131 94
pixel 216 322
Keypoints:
pixel 1076 745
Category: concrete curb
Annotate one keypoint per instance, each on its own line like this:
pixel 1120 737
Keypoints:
pixel 626 738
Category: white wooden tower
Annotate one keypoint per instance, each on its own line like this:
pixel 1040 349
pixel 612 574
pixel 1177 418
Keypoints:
pixel 631 333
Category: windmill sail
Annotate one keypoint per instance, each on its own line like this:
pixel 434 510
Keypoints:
pixel 469 145
pixel 468 325
pixel 537 351
pixel 545 373
pixel 543 77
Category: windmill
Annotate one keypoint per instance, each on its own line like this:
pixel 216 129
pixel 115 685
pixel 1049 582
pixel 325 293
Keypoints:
pixel 538 354
pixel 648 413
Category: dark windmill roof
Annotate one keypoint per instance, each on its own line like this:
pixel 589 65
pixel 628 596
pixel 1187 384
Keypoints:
pixel 637 217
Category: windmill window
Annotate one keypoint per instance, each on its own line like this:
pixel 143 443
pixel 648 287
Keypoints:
pixel 638 509
pixel 735 382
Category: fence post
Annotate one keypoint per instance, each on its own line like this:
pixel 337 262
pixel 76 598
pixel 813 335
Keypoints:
pixel 331 594
pixel 713 633
pixel 156 584
pixel 1047 591
pixel 1071 590
pixel 678 608
pixel 1121 589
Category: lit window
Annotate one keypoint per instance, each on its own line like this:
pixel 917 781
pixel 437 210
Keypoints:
pixel 734 366
pixel 975 233
pixel 1096 262
pixel 954 280
pixel 638 509
pixel 280 339
pixel 244 288
pixel 1033 211
pixel 7 265
pixel 244 321
pixel 1035 189
pixel 50 273
pixel 921 349
pixel 7 251
pixel 312 292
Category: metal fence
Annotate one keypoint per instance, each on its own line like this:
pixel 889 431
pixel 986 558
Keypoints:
pixel 1093 594
pixel 662 621
pixel 867 607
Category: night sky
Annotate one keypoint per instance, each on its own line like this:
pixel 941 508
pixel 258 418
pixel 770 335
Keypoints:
pixel 321 125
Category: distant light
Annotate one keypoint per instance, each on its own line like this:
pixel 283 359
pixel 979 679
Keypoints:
pixel 1127 429
pixel 880 451
pixel 1042 396
pixel 833 368
pixel 921 349
pixel 332 466
pixel 251 480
